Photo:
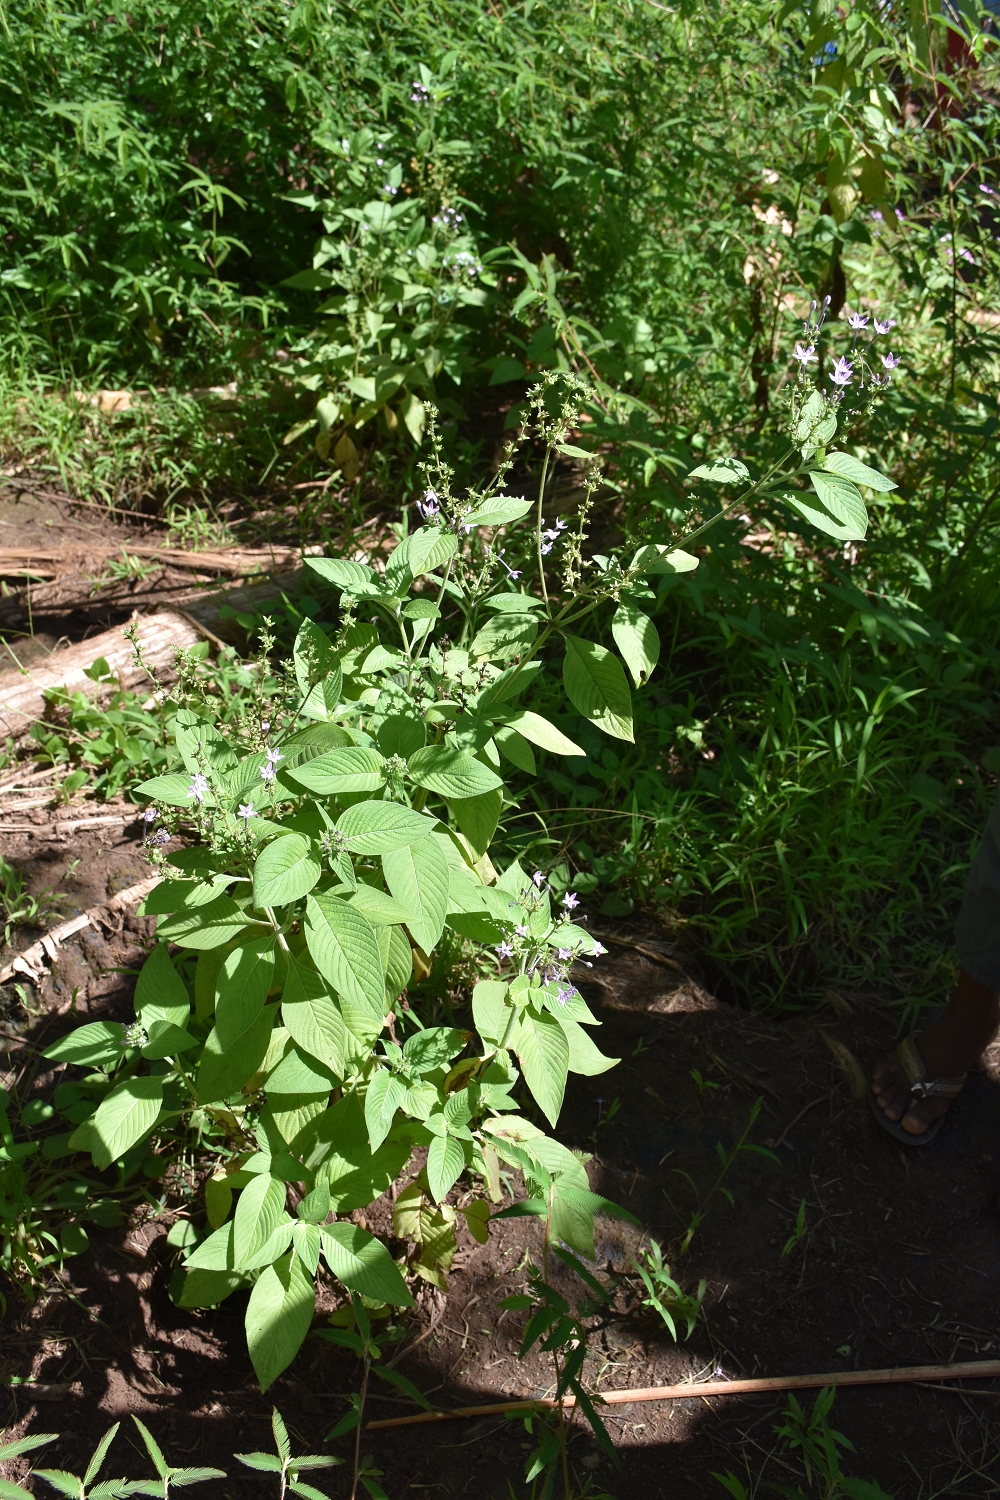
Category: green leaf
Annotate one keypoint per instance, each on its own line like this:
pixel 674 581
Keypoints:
pixel 380 909
pixel 335 1149
pixel 344 948
pixel 160 992
pixel 636 637
pixel 505 636
pixel 418 877
pixel 817 423
pixel 241 988
pixel 584 1056
pixel 445 1163
pixel 127 1114
pixel 654 558
pixel 853 469
pixel 97 1042
pixel 543 1051
pixel 596 686
pixel 381 827
pixel 313 656
pixel 477 819
pixel 260 1207
pixel 355 769
pixel 398 964
pixel 722 471
pixel 59 1479
pixel 541 733
pixel 489 1011
pixel 363 1264
pixel 173 790
pixel 421 552
pixel 350 577
pixel 451 772
pixel 288 867
pixel 497 510
pixel 206 926
pixel 278 1317
pixel 817 515
pixel 223 1071
pixel 26 1444
pixel 214 1253
pixel 312 1016
pixel 841 498
pixel 306 1244
pixel 515 748
pixel 202 1288
pixel 383 1097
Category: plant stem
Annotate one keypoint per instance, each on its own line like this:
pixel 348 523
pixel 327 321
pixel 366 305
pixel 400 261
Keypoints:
pixel 357 1430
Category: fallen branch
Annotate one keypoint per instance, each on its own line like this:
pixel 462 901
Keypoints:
pixel 31 963
pixel 983 1369
pixel 54 562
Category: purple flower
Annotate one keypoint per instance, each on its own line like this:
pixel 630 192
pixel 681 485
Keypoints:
pixel 273 756
pixel 563 954
pixel 985 188
pixel 265 726
pixel 857 321
pixel 246 811
pixel 900 214
pixel 199 787
pixel 803 354
pixel 598 949
pixel 505 950
pixel 428 506
pixel 267 773
pixel 876 214
pixel 566 995
pixel 890 360
pixel 570 900
pixel 161 836
pixel 842 372
pixel 968 255
pixel 539 879
pixel 520 930
pixel 546 548
pixel 150 815
pixel 884 327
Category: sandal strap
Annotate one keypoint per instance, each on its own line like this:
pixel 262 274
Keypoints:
pixel 920 1086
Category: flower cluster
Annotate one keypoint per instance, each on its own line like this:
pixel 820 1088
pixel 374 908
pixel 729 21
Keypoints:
pixel 448 218
pixel 551 536
pixel 420 93
pixel 463 265
pixel 430 506
pixel 843 371
pixel 269 772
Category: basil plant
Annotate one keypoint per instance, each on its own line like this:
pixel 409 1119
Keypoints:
pixel 342 827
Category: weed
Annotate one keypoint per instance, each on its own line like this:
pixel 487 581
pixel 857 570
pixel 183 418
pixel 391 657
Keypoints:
pixel 664 1296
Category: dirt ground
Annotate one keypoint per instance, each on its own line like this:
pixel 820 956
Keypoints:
pixel 898 1263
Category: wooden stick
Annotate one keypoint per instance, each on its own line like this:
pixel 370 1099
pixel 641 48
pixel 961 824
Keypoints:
pixel 31 964
pixel 983 1369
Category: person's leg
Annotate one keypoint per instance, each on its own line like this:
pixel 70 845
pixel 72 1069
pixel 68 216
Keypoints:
pixel 955 1043
pixel 949 1048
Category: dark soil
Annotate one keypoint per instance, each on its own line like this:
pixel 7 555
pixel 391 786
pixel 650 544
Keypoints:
pixel 898 1264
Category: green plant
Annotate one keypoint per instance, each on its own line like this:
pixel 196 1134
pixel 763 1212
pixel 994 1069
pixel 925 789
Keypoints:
pixel 798 1233
pixel 817 1445
pixel 18 908
pixel 330 859
pixel 727 1160
pixel 665 1296
pixel 288 1469
pixel 170 1477
pixel 8 1490
pixel 82 1487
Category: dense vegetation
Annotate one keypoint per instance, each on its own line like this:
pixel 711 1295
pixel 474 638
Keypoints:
pixel 347 253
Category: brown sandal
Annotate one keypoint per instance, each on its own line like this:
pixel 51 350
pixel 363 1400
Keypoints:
pixel 921 1088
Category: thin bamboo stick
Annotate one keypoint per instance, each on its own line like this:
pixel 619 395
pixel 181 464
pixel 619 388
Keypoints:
pixel 983 1369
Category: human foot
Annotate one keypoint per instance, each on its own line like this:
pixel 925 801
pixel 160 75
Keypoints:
pixel 943 1053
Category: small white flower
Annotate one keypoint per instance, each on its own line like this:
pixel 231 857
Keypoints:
pixel 890 360
pixel 842 372
pixel 570 900
pixel 804 354
pixel 884 327
pixel 267 773
pixel 539 879
pixel 857 321
pixel 273 756
pixel 199 787
pixel 246 811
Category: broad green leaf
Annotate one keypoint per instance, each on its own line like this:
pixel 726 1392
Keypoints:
pixel 543 1051
pixel 596 686
pixel 418 877
pixel 261 1205
pixel 399 734
pixel 344 948
pixel 722 471
pixel 306 1244
pixel 202 746
pixel 335 1149
pixel 288 867
pixel 655 558
pixel 222 1072
pixel 584 1056
pixel 278 1317
pixel 489 1011
pixel 299 1073
pixel 541 733
pixel 313 656
pixel 166 1040
pixel 380 827
pixel 173 790
pixel 398 964
pixel 516 748
pixel 241 988
pixel 841 498
pixel 205 927
pixel 853 469
pixel 505 636
pixel 477 818
pixel 445 1163
pixel 127 1114
pixel 355 769
pixel 214 1253
pixel 363 1264
pixel 817 515
pixel 637 639
pixel 421 552
pixel 496 510
pixel 350 577
pixel 383 1097
pixel 313 1017
pixel 97 1042
pixel 817 423
pixel 172 895
pixel 207 1288
pixel 324 699
pixel 380 909
pixel 451 772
